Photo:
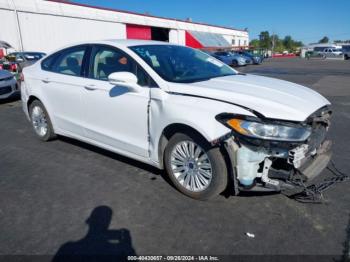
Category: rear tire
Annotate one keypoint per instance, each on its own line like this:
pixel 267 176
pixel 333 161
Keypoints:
pixel 41 122
pixel 201 176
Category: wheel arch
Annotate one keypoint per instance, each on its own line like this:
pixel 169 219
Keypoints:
pixel 34 97
pixel 31 99
pixel 171 130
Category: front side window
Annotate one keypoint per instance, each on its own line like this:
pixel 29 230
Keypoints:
pixel 106 60
pixel 181 64
pixel 70 61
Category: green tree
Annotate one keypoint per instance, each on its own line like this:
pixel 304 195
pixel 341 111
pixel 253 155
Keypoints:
pixel 265 40
pixel 324 40
pixel 299 43
pixel 277 44
pixel 255 43
pixel 288 42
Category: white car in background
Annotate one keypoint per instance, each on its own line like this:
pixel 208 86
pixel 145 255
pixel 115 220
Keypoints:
pixel 332 52
pixel 8 84
pixel 178 108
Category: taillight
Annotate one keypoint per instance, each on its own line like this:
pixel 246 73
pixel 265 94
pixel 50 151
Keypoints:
pixel 13 67
pixel 1 67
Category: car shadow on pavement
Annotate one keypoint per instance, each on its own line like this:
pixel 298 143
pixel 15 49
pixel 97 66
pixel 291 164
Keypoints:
pixel 229 191
pixel 129 161
pixel 100 242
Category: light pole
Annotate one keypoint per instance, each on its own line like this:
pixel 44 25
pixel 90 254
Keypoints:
pixel 18 26
pixel 273 44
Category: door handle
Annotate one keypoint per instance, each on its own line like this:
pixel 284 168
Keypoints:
pixel 46 80
pixel 90 87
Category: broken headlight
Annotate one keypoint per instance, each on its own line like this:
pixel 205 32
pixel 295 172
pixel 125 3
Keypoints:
pixel 277 131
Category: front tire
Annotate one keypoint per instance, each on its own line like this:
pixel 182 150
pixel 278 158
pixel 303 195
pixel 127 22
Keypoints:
pixel 195 168
pixel 41 122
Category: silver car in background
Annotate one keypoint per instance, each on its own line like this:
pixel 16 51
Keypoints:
pixel 8 84
pixel 231 59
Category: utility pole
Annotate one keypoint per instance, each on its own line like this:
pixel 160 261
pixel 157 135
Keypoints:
pixel 19 33
pixel 273 44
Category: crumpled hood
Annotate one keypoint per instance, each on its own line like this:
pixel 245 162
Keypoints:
pixel 271 97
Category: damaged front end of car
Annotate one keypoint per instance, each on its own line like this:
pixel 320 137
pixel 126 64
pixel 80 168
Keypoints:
pixel 270 155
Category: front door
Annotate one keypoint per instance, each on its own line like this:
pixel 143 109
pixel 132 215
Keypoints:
pixel 113 115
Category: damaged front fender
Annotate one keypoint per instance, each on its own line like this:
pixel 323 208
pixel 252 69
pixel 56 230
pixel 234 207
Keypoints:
pixel 270 165
pixel 271 169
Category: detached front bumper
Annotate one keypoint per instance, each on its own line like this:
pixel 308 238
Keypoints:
pixel 272 170
pixel 274 165
pixel 313 166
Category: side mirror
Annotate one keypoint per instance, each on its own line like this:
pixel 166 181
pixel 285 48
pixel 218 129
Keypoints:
pixel 125 79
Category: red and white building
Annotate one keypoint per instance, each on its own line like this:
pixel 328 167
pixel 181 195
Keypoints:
pixel 39 25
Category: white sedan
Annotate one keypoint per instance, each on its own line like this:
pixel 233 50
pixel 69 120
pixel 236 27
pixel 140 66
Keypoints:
pixel 179 109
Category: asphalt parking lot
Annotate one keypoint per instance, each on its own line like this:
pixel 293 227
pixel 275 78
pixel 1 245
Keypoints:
pixel 51 194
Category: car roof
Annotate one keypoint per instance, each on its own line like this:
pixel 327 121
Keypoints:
pixel 26 52
pixel 128 42
pixel 120 43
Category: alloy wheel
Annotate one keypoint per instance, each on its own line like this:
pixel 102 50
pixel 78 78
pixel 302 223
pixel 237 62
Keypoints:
pixel 39 121
pixel 191 166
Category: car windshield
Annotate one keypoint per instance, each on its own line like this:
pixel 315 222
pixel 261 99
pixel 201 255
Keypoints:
pixel 181 64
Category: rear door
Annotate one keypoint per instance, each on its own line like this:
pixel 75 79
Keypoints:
pixel 63 86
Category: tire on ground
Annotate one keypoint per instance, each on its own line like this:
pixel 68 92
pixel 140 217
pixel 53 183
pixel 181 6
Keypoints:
pixel 50 134
pixel 219 169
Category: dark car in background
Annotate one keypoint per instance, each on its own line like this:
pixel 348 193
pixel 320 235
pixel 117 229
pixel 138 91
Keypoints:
pixel 16 61
pixel 24 59
pixel 8 84
pixel 346 52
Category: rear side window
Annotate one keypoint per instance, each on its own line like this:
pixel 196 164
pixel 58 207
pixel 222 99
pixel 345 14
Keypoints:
pixel 47 63
pixel 68 61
